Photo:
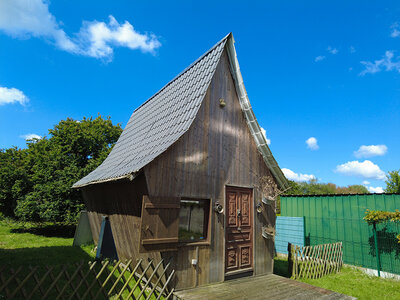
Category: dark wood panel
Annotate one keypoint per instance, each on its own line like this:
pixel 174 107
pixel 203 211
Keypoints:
pixel 239 229
pixel 159 223
pixel 217 150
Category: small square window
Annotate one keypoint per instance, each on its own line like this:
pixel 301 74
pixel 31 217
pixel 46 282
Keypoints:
pixel 193 220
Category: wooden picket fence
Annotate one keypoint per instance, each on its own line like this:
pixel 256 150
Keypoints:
pixel 315 261
pixel 93 280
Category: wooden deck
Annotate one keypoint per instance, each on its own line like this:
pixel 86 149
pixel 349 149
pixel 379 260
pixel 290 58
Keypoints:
pixel 259 287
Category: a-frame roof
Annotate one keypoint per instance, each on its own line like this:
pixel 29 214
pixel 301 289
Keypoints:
pixel 165 117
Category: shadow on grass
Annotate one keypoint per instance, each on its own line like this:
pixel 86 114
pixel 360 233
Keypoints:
pixel 281 267
pixel 54 255
pixel 51 230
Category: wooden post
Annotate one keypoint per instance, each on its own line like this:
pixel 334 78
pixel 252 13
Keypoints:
pixel 378 258
pixel 290 259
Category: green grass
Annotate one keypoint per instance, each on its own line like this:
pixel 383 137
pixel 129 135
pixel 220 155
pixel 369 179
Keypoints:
pixel 350 281
pixel 29 244
pixel 44 245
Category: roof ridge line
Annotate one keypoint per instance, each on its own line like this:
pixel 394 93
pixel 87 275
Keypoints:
pixel 185 70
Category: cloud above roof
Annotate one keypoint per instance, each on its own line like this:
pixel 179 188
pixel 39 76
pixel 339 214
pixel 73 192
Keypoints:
pixel 95 39
pixel 31 136
pixel 312 143
pixel 265 135
pixel 297 176
pixel 370 151
pixel 12 95
pixel 365 169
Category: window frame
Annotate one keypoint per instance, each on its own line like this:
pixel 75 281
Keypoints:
pixel 207 240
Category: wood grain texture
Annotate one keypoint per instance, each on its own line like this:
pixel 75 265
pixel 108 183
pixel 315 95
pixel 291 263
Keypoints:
pixel 218 150
pixel 121 201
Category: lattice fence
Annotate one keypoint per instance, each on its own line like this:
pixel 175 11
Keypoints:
pixel 316 261
pixel 93 280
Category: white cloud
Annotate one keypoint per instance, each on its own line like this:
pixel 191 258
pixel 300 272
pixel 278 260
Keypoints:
pixel 98 38
pixel 378 189
pixel 385 64
pixel 319 58
pixel 95 39
pixel 12 95
pixel 30 136
pixel 332 50
pixel 371 150
pixel 312 143
pixel 297 177
pixel 265 135
pixel 395 33
pixel 366 169
pixel 395 30
pixel 365 182
pixel 20 18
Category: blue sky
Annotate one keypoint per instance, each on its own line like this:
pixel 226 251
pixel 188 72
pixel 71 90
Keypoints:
pixel 325 71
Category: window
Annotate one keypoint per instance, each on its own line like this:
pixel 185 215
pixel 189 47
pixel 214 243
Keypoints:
pixel 193 220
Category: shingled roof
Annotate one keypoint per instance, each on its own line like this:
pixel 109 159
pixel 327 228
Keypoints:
pixel 165 117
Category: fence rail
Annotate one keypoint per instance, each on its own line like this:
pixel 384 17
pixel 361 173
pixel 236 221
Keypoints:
pixel 315 261
pixel 95 280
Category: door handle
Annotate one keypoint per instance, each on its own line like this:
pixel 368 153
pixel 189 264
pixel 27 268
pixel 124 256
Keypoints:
pixel 239 213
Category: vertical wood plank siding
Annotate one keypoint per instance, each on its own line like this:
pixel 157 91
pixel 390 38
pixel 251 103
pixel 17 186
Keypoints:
pixel 217 150
pixel 121 201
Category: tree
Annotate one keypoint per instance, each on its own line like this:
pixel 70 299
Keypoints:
pixel 14 183
pixel 49 167
pixel 313 187
pixel 393 182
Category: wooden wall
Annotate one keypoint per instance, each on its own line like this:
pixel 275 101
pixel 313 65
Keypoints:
pixel 217 150
pixel 121 201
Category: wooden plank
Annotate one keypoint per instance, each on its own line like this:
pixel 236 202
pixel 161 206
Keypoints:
pixel 137 281
pixel 83 280
pixel 149 279
pixel 161 205
pixel 120 275
pixel 70 281
pixel 54 282
pixel 159 241
pixel 8 292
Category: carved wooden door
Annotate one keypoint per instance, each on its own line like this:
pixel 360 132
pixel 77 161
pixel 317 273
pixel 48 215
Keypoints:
pixel 239 230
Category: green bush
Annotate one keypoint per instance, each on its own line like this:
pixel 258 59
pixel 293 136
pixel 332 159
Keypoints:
pixel 35 183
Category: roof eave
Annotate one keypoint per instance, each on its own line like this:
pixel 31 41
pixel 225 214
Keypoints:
pixel 130 177
pixel 251 120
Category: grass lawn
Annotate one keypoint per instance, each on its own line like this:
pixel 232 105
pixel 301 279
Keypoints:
pixel 350 281
pixel 28 244
pixel 32 245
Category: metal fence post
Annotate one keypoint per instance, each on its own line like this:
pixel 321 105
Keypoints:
pixel 378 259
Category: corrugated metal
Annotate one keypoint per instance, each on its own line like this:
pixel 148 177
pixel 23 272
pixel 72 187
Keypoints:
pixel 329 219
pixel 288 230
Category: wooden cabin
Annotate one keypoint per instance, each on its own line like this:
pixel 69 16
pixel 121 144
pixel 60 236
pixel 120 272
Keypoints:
pixel 192 178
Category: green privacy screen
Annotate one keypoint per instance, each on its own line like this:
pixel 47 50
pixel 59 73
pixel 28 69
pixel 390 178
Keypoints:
pixel 328 219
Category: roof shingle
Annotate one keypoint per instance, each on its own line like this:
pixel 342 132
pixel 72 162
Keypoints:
pixel 160 121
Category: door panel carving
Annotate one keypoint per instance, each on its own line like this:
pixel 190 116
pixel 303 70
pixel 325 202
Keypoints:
pixel 239 229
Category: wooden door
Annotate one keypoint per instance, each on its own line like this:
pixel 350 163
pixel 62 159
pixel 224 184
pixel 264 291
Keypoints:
pixel 239 230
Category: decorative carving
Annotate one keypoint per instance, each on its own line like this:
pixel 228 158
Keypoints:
pixel 232 258
pixel 245 209
pixel 245 256
pixel 232 210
